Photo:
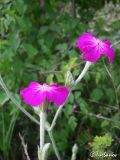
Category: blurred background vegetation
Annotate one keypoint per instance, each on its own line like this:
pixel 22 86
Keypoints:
pixel 38 44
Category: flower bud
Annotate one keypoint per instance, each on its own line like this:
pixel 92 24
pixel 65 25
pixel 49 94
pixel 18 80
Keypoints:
pixel 69 81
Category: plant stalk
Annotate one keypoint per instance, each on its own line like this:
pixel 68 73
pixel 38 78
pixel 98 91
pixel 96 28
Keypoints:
pixel 55 117
pixel 87 65
pixel 54 145
pixel 42 129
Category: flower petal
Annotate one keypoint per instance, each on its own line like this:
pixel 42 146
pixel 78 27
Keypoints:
pixel 91 55
pixel 32 95
pixel 108 51
pixel 86 40
pixel 58 95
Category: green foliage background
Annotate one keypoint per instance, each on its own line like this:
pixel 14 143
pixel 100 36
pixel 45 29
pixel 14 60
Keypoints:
pixel 38 44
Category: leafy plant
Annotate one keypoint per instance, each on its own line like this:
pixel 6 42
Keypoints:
pixel 101 145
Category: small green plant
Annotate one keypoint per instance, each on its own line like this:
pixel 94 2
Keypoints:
pixel 101 146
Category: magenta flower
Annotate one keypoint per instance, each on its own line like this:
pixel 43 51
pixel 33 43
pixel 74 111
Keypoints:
pixel 93 47
pixel 35 94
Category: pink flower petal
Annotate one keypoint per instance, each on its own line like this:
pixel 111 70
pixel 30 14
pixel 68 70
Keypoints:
pixel 84 41
pixel 58 94
pixel 92 55
pixel 107 43
pixel 108 51
pixel 32 95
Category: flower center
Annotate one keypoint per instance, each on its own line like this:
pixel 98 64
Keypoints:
pixel 45 87
pixel 98 42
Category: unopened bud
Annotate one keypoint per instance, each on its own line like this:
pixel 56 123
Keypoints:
pixel 74 152
pixel 69 81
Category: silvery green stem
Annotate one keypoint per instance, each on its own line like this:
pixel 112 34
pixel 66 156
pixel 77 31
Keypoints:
pixel 45 151
pixel 115 43
pixel 87 65
pixel 60 108
pixel 55 117
pixel 74 152
pixel 42 129
pixel 54 145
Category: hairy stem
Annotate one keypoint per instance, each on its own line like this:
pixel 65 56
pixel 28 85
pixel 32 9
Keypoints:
pixel 87 65
pixel 42 129
pixel 55 117
pixel 54 145
pixel 115 43
pixel 45 151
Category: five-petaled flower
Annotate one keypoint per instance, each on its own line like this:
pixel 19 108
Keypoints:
pixel 35 94
pixel 92 48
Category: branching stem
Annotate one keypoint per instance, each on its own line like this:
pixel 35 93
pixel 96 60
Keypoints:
pixel 87 65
